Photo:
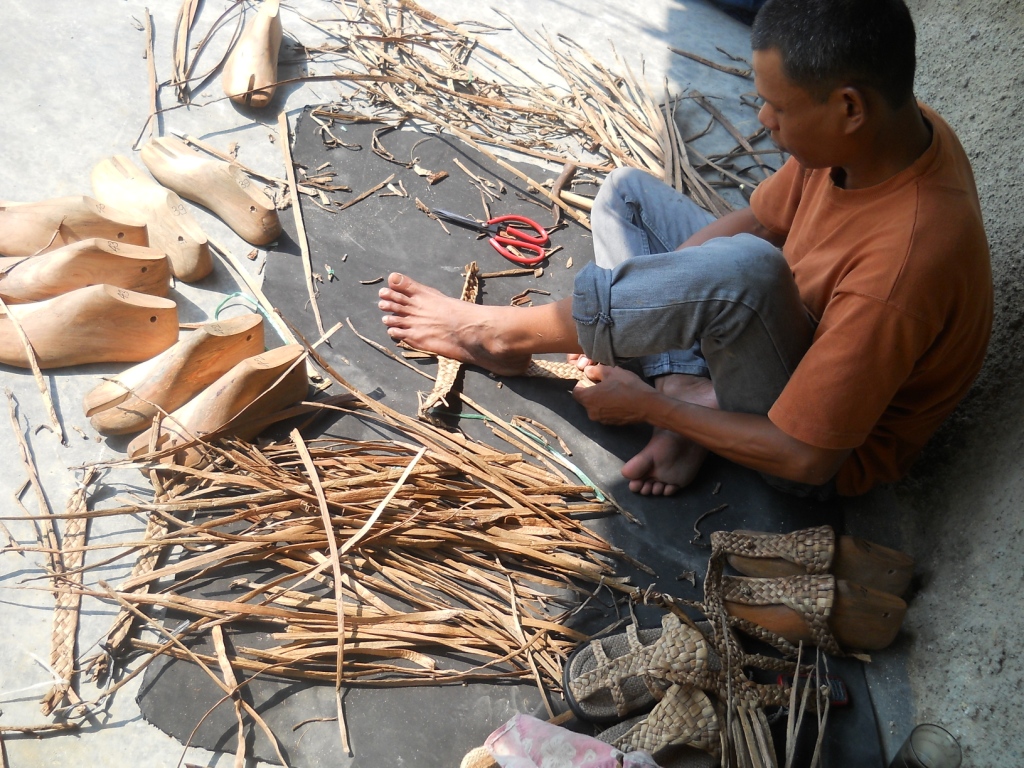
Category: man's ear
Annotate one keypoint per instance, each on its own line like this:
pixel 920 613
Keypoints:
pixel 854 107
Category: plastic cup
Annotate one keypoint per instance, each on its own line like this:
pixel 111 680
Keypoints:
pixel 928 746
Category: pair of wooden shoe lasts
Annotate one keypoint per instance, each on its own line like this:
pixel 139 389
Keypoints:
pixel 799 584
pixel 217 376
pixel 219 186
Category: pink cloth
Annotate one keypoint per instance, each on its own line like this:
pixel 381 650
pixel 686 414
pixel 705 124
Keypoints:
pixel 526 742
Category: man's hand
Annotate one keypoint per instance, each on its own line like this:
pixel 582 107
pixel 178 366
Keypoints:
pixel 615 396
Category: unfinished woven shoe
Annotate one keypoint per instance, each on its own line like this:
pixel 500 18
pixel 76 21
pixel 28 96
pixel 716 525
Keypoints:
pixel 128 402
pixel 214 184
pixel 685 717
pixel 118 182
pixel 98 324
pixel 81 264
pixel 612 677
pixel 257 386
pixel 28 229
pixel 816 550
pixel 252 64
pixel 816 609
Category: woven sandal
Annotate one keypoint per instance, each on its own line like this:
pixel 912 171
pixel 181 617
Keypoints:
pixel 816 551
pixel 612 677
pixel 815 609
pixel 685 717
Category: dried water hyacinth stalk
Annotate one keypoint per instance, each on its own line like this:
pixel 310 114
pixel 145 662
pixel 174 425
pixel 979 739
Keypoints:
pixel 453 547
pixel 437 72
pixel 479 546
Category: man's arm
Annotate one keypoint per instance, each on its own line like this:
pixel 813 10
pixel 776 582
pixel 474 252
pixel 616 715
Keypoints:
pixel 621 397
pixel 735 223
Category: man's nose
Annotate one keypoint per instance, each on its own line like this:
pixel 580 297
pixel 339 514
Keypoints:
pixel 767 117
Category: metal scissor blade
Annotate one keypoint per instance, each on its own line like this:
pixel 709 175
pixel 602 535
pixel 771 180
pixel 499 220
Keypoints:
pixel 461 221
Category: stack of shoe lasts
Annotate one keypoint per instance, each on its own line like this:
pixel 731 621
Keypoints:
pixel 666 689
pixel 218 379
pixel 82 285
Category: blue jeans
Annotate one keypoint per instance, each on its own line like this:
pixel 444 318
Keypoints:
pixel 728 309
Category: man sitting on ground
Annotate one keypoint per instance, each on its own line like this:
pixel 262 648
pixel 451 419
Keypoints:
pixel 825 365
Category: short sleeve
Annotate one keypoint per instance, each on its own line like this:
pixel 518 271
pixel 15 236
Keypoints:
pixel 775 200
pixel 863 352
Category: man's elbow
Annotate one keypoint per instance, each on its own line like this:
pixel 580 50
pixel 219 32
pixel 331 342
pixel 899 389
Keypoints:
pixel 816 466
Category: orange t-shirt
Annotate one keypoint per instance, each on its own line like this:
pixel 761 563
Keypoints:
pixel 898 277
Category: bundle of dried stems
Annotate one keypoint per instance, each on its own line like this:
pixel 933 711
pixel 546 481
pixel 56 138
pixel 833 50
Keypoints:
pixel 429 69
pixel 402 62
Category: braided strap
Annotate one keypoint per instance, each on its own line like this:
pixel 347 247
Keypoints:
pixel 685 716
pixel 811 596
pixel 680 652
pixel 448 369
pixel 810 548
pixel 547 369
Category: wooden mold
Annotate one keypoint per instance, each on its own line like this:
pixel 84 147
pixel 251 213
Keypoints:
pixel 217 185
pixel 252 63
pixel 118 182
pixel 255 387
pixel 97 324
pixel 78 265
pixel 128 402
pixel 28 229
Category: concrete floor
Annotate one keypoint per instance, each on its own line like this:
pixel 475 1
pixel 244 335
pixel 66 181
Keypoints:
pixel 76 91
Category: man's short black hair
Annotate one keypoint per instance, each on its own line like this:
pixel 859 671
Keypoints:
pixel 828 43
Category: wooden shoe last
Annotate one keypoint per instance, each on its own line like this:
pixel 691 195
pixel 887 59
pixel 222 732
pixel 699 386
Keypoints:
pixel 255 387
pixel 129 402
pixel 98 324
pixel 27 229
pixel 214 184
pixel 253 62
pixel 87 262
pixel 117 182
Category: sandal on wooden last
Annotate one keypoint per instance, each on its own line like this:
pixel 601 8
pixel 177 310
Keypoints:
pixel 815 609
pixel 128 402
pixel 814 551
pixel 118 182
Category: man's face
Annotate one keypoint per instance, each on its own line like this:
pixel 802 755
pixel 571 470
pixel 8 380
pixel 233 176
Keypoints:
pixel 799 123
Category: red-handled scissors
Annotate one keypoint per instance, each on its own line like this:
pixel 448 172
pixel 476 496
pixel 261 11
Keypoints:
pixel 503 233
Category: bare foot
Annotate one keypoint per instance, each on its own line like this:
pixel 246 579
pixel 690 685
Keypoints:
pixel 670 462
pixel 426 319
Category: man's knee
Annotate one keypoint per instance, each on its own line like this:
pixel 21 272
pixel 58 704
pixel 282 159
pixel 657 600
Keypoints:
pixel 762 264
pixel 622 183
